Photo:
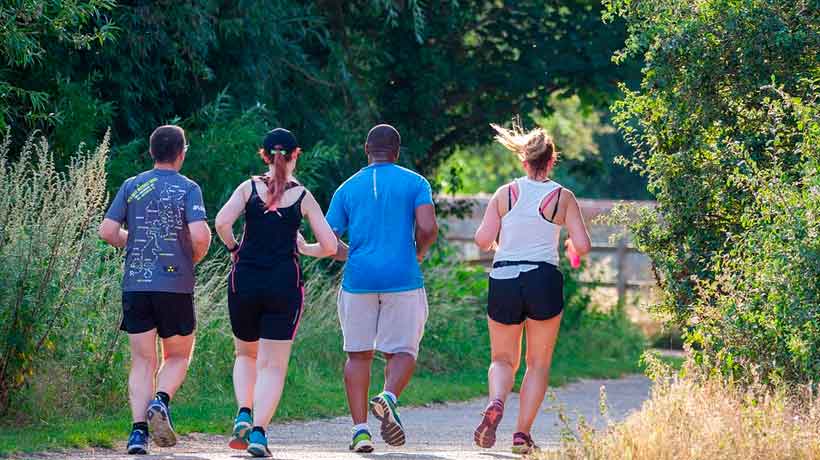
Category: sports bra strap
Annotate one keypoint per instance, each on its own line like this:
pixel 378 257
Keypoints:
pixel 557 201
pixel 512 192
pixel 553 194
pixel 298 203
pixel 253 188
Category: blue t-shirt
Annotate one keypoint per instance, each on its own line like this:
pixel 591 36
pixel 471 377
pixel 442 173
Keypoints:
pixel 376 207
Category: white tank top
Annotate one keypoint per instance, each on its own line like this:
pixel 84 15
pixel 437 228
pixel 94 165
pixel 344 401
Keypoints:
pixel 525 234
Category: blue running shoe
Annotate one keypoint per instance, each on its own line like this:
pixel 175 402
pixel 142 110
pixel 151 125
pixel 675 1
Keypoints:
pixel 241 429
pixel 138 442
pixel 159 423
pixel 258 444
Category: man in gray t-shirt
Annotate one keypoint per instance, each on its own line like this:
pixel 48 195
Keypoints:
pixel 167 234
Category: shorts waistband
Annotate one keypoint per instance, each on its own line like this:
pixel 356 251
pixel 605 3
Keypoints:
pixel 510 263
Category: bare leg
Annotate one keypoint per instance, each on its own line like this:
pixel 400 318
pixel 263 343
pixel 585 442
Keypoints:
pixel 398 371
pixel 141 376
pixel 244 372
pixel 271 370
pixel 541 337
pixel 176 356
pixel 357 383
pixel 505 350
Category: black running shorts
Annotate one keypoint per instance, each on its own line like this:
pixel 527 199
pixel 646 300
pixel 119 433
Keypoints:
pixel 536 294
pixel 169 313
pixel 265 314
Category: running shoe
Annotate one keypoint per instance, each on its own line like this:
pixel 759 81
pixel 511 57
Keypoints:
pixel 241 429
pixel 258 444
pixel 159 423
pixel 138 442
pixel 484 435
pixel 384 408
pixel 362 442
pixel 523 444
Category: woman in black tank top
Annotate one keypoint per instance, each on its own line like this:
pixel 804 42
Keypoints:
pixel 265 285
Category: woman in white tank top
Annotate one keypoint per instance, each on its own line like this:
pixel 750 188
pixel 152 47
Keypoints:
pixel 522 224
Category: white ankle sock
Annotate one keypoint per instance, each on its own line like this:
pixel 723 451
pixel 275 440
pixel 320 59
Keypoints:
pixel 361 426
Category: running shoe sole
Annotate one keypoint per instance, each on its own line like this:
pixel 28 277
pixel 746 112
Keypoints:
pixel 258 450
pixel 138 449
pixel 239 437
pixel 392 432
pixel 524 450
pixel 484 435
pixel 159 425
pixel 363 447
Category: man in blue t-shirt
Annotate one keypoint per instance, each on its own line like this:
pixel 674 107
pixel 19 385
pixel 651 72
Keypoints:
pixel 388 213
pixel 165 235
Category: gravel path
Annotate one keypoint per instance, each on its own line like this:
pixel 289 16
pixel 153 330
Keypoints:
pixel 436 432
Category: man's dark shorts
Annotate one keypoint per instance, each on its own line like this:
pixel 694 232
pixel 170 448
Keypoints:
pixel 170 313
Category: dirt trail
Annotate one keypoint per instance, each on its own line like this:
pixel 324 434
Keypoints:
pixel 436 432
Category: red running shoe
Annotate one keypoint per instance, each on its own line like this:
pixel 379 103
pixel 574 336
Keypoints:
pixel 523 444
pixel 484 435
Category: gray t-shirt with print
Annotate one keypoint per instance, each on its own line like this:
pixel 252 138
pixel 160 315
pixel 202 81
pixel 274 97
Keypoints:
pixel 156 207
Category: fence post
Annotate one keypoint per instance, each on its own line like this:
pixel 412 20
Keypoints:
pixel 620 264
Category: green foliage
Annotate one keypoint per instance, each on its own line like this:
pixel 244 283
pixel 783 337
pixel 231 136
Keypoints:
pixel 36 35
pixel 328 69
pixel 587 144
pixel 725 125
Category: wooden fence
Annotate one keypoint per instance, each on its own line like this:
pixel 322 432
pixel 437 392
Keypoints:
pixel 615 268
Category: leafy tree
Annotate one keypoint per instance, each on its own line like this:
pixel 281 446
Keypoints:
pixel 36 88
pixel 587 143
pixel 725 128
pixel 479 62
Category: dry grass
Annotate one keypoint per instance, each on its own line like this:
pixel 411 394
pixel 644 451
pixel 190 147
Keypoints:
pixel 690 418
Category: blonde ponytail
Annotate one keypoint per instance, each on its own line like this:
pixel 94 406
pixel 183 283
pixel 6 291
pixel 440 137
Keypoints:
pixel 535 146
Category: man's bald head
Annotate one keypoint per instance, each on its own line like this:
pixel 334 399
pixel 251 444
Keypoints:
pixel 383 142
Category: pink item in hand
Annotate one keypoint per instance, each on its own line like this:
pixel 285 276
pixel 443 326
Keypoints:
pixel 574 259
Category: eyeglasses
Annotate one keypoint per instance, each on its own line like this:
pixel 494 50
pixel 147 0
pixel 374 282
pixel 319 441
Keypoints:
pixel 185 149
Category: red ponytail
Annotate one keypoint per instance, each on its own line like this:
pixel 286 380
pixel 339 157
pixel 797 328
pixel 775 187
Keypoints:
pixel 277 181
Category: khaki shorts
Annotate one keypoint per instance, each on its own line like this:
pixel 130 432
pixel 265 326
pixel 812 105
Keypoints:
pixel 390 322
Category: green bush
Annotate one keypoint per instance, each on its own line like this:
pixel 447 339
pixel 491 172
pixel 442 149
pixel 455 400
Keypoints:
pixel 725 126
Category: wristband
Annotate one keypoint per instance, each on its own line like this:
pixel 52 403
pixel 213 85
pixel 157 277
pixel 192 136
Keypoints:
pixel 234 249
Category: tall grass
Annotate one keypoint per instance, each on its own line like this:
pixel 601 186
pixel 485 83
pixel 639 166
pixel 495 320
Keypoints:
pixel 55 279
pixel 694 418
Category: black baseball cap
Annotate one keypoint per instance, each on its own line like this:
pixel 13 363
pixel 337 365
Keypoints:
pixel 280 139
pixel 383 139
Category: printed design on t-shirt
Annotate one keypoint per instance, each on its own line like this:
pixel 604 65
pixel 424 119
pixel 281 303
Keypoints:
pixel 162 221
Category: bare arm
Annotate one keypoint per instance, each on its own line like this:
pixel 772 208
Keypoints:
pixel 487 233
pixel 200 239
pixel 111 231
pixel 578 241
pixel 341 250
pixel 327 240
pixel 426 229
pixel 229 213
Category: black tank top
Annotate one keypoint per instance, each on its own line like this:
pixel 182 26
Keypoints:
pixel 269 239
